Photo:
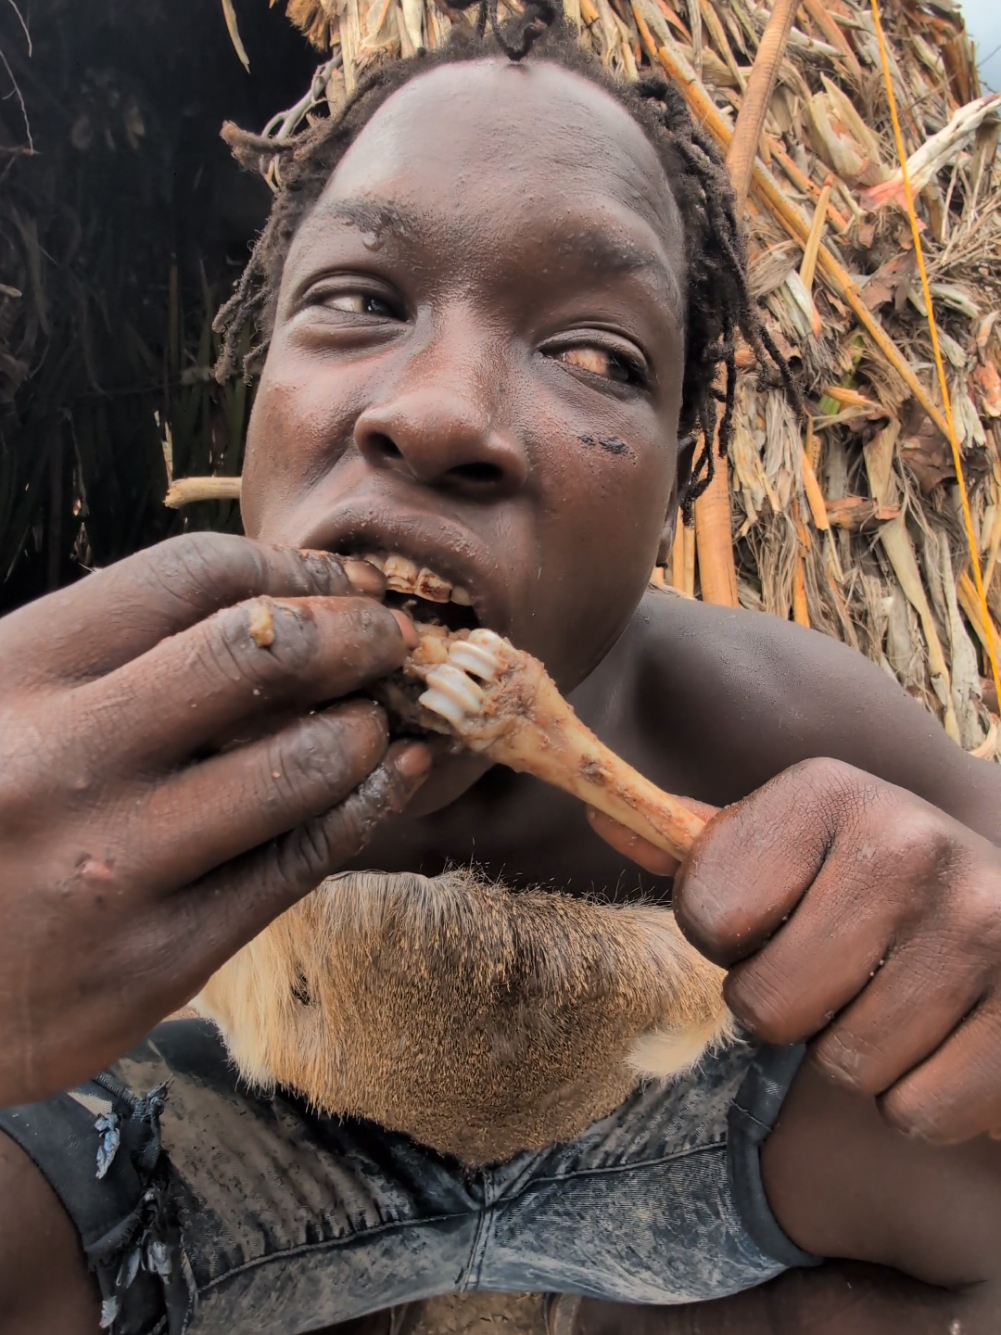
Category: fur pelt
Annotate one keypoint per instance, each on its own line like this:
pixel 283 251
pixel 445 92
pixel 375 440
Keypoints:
pixel 478 1020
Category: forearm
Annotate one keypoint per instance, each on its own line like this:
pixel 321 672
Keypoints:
pixel 840 1298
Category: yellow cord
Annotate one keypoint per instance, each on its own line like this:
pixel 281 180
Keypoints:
pixel 933 329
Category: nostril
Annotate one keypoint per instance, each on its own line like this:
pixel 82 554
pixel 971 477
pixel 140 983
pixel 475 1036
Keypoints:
pixel 480 473
pixel 384 446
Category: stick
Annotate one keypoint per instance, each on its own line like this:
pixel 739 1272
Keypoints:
pixel 188 490
pixel 713 516
pixel 753 109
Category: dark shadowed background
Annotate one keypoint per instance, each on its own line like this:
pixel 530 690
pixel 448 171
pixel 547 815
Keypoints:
pixel 120 234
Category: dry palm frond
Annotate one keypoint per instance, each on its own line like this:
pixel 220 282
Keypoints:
pixel 318 19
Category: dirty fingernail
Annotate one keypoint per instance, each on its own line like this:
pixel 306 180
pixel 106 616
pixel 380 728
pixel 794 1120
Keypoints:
pixel 407 628
pixel 365 578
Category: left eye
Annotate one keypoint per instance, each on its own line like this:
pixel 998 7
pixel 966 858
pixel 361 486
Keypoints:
pixel 603 362
pixel 358 303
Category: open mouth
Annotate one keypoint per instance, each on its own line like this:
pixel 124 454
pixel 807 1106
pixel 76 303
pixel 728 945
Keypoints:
pixel 422 593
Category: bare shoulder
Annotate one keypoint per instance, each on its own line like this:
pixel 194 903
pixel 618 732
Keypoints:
pixel 845 1185
pixel 739 696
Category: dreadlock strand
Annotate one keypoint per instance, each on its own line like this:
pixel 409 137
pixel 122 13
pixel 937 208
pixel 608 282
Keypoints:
pixel 730 398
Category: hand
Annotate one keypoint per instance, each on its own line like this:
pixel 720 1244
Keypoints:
pixel 853 913
pixel 138 853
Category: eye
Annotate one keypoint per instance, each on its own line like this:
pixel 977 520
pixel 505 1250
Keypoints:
pixel 358 303
pixel 609 363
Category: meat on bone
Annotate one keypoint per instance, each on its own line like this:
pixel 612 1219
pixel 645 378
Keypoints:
pixel 500 701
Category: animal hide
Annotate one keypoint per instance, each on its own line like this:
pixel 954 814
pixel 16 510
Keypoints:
pixel 477 1020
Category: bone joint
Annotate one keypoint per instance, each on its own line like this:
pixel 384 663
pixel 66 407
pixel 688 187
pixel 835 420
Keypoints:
pixel 500 701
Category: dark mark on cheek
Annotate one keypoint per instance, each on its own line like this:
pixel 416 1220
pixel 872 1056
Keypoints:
pixel 612 445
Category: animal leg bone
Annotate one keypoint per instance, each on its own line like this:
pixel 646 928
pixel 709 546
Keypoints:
pixel 501 701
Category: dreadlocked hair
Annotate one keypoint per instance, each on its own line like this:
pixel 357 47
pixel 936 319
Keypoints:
pixel 719 302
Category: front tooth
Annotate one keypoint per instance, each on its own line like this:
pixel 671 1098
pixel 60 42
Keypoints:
pixel 401 574
pixel 432 587
pixel 473 659
pixel 461 596
pixel 453 683
pixel 375 559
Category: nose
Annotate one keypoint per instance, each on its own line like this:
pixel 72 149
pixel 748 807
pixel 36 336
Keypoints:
pixel 442 435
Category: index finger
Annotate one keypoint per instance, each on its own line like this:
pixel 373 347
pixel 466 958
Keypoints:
pixel 114 615
pixel 754 862
pixel 634 846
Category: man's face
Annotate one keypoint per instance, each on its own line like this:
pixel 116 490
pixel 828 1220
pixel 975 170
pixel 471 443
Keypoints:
pixel 477 357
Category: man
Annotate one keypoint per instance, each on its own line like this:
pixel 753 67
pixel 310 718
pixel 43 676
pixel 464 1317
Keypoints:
pixel 489 297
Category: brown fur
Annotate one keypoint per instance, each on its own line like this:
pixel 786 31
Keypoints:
pixel 479 1021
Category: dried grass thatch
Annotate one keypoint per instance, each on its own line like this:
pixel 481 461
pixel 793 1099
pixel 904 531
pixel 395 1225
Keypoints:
pixel 850 525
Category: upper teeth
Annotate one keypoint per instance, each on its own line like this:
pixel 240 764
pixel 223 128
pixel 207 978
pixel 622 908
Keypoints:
pixel 406 576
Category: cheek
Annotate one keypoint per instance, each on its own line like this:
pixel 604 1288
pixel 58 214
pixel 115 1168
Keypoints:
pixel 622 511
pixel 617 483
pixel 603 516
pixel 301 423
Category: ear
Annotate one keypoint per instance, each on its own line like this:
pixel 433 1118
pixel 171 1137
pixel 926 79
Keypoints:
pixel 666 544
pixel 686 452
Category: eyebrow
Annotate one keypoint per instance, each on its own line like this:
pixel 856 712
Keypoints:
pixel 367 214
pixel 610 254
pixel 617 254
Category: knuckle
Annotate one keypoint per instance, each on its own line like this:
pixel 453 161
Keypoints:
pixel 58 763
pixel 306 855
pixel 196 568
pixel 919 1118
pixel 370 624
pixel 291 638
pixel 921 833
pixel 324 755
pixel 324 574
pixel 294 767
pixel 826 774
pixel 262 642
pixel 844 1059
pixel 840 794
pixel 759 1002
pixel 923 856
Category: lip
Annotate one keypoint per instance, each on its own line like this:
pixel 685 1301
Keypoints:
pixel 449 549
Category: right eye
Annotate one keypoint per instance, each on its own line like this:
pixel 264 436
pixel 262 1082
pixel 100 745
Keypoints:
pixel 358 303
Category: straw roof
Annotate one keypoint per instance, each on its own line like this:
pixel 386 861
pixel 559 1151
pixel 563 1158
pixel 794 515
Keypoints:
pixel 850 524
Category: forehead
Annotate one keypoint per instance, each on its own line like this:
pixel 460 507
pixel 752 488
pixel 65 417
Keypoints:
pixel 483 148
